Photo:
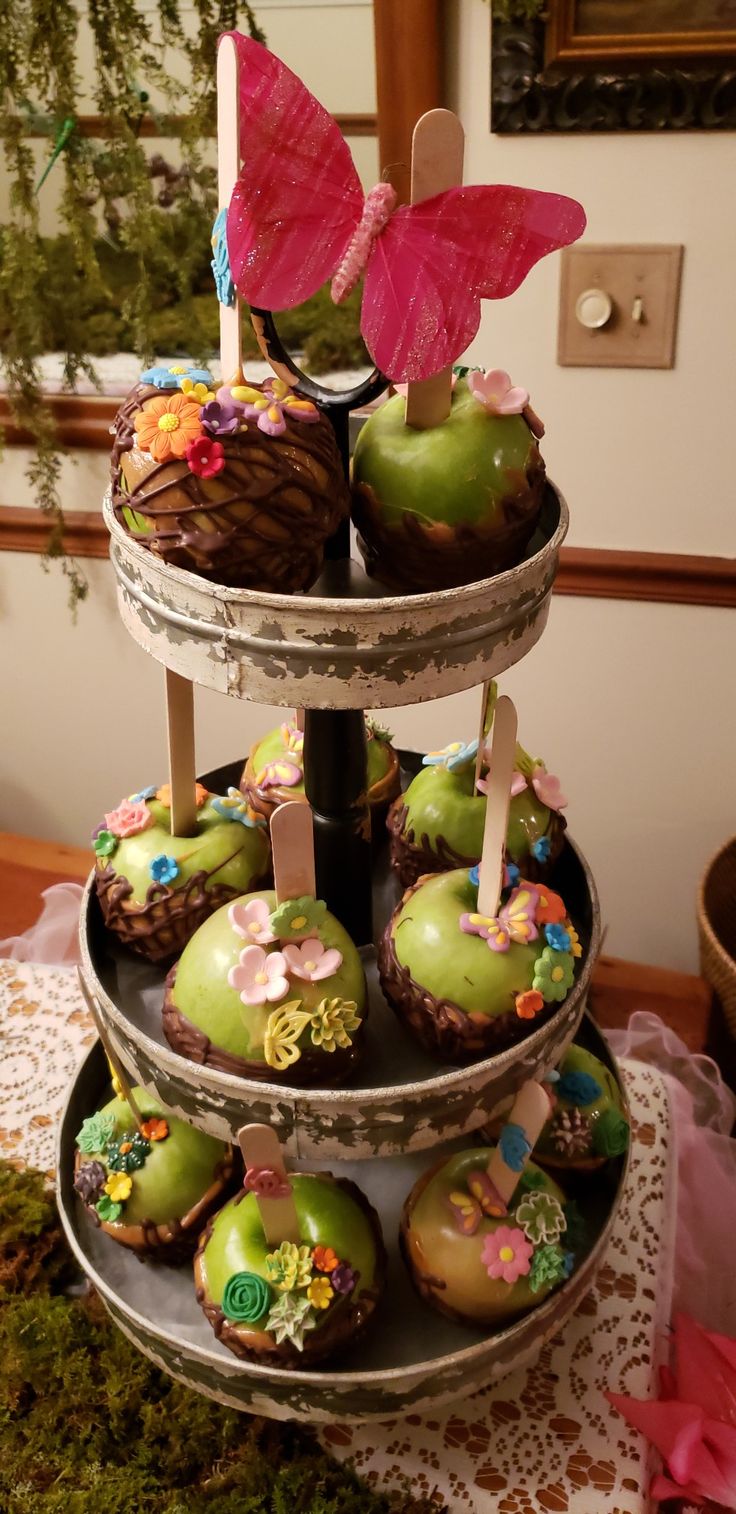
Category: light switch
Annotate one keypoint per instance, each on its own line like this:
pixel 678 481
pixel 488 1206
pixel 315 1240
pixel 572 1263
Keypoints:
pixel 618 306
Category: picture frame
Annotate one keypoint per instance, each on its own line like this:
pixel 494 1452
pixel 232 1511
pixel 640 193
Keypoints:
pixel 613 65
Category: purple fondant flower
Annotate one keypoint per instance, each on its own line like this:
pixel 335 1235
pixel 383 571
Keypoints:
pixel 219 418
pixel 343 1278
pixel 90 1180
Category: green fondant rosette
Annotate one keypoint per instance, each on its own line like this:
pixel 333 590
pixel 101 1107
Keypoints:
pixel 246 1298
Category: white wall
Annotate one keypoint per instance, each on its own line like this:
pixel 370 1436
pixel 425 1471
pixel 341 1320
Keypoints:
pixel 632 704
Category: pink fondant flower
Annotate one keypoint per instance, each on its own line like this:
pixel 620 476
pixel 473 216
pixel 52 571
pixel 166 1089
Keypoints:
pixel 252 921
pixel 129 818
pixel 518 784
pixel 259 976
pixel 495 391
pixel 266 1184
pixel 547 789
pixel 205 457
pixel 507 1254
pixel 311 960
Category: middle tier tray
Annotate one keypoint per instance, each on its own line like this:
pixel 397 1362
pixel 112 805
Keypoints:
pixel 400 1099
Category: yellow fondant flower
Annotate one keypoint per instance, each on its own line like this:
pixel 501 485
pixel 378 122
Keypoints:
pixel 198 392
pixel 320 1292
pixel 289 1266
pixel 283 1029
pixel 575 946
pixel 118 1187
pixel 332 1021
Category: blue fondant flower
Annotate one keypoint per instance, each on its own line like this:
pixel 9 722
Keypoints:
pixel 541 848
pixel 235 807
pixel 474 875
pixel 221 261
pixel 515 1146
pixel 568 1262
pixel 511 875
pixel 453 756
pixel 144 794
pixel 578 1088
pixel 163 868
pixel 170 375
pixel 557 938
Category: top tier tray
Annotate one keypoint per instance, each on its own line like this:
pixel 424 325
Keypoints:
pixel 345 645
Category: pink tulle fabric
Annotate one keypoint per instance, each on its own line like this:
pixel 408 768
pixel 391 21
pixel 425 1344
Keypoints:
pixel 53 940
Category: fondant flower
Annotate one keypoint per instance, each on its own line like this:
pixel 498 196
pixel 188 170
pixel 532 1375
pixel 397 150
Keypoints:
pixel 518 784
pixel 453 756
pixel 547 789
pixel 205 457
pixel 553 975
pixel 220 264
pixel 320 1293
pixel 570 1133
pixel 90 1180
pixel 474 875
pixel 528 1004
pixel 289 1266
pixel 155 1129
pixel 489 928
pixel 259 976
pixel 128 819
pixel 296 919
pixel 279 774
pixel 283 1029
pixel 167 426
pixel 541 849
pixel 548 1266
pixel 128 1154
pixel 163 868
pixel 541 1218
pixel 266 1184
pixel 143 794
pixel 511 875
pixel 578 1087
pixel 557 937
pixel 219 418
pixel 197 391
pixel 495 391
pixel 118 1187
pixel 108 1209
pixel 325 1259
pixel 293 739
pixel 506 1254
pixel 343 1278
pixel 96 1131
pixel 169 375
pixel 235 807
pixel 272 406
pixel 105 844
pixel 514 1145
pixel 289 1318
pixel 311 960
pixel 163 794
pixel 551 909
pixel 611 1134
pixel 575 946
pixel 252 920
pixel 332 1022
pixel 246 1298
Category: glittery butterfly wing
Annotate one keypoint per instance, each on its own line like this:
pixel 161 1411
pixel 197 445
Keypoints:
pixel 298 199
pixel 518 916
pixel 436 260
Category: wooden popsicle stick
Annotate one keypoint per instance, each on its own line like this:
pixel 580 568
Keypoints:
pixel 437 152
pixel 228 168
pixel 299 720
pixel 530 1111
pixel 292 844
pixel 264 1168
pixel 110 1052
pixel 500 771
pixel 182 778
pixel 487 704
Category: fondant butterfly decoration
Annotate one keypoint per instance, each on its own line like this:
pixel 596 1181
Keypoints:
pixel 298 216
pixel 515 922
pixel 481 1198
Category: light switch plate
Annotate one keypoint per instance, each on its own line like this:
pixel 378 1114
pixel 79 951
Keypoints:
pixel 643 280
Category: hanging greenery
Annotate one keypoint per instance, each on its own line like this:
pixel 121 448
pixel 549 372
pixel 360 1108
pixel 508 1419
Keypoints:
pixel 107 185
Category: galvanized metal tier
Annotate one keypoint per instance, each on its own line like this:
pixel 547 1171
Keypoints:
pixel 413 1360
pixel 345 645
pixel 400 1100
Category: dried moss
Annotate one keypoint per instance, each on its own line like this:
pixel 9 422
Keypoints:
pixel 89 1426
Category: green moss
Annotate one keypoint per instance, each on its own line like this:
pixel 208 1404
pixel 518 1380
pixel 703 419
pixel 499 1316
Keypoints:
pixel 89 1426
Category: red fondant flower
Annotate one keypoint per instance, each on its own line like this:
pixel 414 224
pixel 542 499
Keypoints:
pixel 155 1130
pixel 550 908
pixel 205 457
pixel 324 1258
pixel 528 1004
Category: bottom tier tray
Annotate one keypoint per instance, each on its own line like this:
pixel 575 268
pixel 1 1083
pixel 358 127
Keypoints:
pixel 413 1360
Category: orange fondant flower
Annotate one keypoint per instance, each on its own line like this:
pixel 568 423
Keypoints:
pixel 167 426
pixel 324 1259
pixel 550 908
pixel 529 1004
pixel 164 795
pixel 155 1130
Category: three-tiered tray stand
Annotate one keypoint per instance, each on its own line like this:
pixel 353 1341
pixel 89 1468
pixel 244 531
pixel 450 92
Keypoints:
pixel 345 647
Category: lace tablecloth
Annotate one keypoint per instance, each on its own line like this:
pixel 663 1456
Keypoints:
pixel 544 1440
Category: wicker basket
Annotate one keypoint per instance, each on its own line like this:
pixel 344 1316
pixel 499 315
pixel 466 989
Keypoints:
pixel 717 928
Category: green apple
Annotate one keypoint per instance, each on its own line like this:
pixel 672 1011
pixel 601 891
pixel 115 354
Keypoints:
pixel 177 1171
pixel 202 992
pixel 452 964
pixel 440 802
pixel 272 749
pixel 233 855
pixel 588 1085
pixel 462 472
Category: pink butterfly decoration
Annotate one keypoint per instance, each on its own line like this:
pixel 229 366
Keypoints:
pixel 515 922
pixel 298 216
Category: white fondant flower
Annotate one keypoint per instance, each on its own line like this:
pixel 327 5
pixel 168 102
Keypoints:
pixel 252 921
pixel 495 391
pixel 259 976
pixel 311 960
pixel 547 789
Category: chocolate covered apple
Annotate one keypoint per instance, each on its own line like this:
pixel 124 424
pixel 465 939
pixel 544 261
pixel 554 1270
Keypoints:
pixel 155 889
pixel 274 772
pixel 588 1123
